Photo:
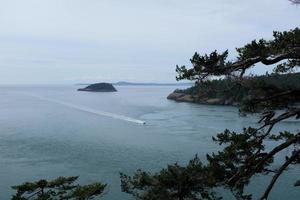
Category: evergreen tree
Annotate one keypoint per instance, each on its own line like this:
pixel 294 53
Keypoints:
pixel 245 154
pixel 57 189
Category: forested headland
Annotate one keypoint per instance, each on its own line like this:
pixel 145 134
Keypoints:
pixel 229 91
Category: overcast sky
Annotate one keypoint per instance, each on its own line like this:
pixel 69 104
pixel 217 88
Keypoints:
pixel 74 41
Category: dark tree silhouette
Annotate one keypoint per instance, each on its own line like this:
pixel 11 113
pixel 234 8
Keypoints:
pixel 295 1
pixel 57 189
pixel 246 154
pixel 174 182
pixel 284 47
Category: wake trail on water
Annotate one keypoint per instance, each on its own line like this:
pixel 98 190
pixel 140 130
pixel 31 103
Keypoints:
pixel 88 110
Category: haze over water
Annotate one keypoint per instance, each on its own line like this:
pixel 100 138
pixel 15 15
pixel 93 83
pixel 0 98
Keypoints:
pixel 45 138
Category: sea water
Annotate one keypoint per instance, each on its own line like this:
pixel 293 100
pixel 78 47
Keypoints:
pixel 51 131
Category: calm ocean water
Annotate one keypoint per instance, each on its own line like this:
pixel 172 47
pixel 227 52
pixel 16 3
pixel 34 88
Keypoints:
pixel 50 131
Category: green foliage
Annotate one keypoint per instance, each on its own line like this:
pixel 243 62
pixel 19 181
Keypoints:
pixel 253 49
pixel 284 48
pixel 57 189
pixel 245 153
pixel 218 88
pixel 215 60
pixel 193 181
pixel 254 87
pixel 282 42
pixel 245 156
pixel 233 168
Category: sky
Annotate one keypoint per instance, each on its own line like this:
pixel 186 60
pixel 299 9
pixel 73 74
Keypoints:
pixel 83 41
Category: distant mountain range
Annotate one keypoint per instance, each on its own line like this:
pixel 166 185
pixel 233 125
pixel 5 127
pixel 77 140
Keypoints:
pixel 124 83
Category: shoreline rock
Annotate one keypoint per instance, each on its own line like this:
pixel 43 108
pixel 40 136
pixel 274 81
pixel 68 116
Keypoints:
pixel 182 97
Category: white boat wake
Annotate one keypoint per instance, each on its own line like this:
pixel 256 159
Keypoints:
pixel 89 110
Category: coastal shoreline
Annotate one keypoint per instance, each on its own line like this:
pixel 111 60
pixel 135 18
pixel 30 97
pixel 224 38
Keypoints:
pixel 183 97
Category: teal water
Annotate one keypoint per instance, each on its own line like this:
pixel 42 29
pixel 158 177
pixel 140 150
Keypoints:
pixel 50 131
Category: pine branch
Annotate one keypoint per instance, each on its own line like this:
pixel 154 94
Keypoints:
pixel 279 172
pixel 250 170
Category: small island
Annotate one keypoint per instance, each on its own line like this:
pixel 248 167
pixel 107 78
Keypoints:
pixel 99 87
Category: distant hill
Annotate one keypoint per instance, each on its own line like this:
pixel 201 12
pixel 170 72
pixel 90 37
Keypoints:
pixel 124 83
pixel 151 84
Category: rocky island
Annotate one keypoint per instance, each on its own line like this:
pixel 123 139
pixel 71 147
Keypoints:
pixel 99 87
